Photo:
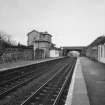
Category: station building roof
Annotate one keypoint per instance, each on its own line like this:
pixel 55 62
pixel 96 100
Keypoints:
pixel 31 32
pixel 98 41
pixel 44 33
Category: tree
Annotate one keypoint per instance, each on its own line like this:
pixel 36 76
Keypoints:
pixel 7 39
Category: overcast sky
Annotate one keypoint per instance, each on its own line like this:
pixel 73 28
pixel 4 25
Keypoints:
pixel 71 22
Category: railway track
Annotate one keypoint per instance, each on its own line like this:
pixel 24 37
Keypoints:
pixel 54 91
pixel 7 86
pixel 17 72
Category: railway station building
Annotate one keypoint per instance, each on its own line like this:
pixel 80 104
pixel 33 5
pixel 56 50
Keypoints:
pixel 41 42
pixel 96 50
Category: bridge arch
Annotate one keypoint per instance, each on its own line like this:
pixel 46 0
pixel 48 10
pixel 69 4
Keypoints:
pixel 81 50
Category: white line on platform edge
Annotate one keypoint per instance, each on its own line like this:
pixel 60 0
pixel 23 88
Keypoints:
pixel 71 87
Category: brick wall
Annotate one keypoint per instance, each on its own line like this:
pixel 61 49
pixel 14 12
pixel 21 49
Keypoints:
pixel 15 54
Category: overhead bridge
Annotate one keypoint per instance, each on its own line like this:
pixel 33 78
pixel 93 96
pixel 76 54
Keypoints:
pixel 80 49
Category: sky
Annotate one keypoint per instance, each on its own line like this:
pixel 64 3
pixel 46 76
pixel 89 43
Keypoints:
pixel 71 22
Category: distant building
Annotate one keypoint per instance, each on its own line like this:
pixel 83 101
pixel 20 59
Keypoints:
pixel 55 52
pixel 41 41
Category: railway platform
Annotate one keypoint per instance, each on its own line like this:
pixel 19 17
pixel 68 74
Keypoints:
pixel 88 83
pixel 17 64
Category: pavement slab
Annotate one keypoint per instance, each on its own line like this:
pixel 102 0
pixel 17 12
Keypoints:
pixel 94 74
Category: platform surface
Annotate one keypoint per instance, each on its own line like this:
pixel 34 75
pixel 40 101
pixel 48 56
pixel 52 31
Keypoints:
pixel 11 65
pixel 88 83
pixel 94 74
pixel 77 94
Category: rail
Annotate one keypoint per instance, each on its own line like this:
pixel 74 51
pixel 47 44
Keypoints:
pixel 62 83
